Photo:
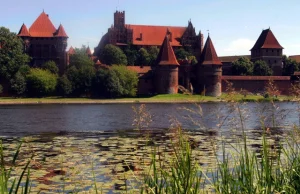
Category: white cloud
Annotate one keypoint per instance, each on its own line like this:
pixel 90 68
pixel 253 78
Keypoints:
pixel 239 46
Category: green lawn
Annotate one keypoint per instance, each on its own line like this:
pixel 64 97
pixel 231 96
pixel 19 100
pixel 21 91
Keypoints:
pixel 163 98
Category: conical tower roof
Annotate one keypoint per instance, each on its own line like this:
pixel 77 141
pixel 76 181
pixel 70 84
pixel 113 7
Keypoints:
pixel 267 40
pixel 209 55
pixel 166 54
pixel 23 31
pixel 42 27
pixel 88 51
pixel 61 32
pixel 71 51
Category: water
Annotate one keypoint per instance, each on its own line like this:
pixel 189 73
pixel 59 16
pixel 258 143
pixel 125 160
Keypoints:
pixel 35 119
pixel 69 142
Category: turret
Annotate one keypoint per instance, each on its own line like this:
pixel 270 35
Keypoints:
pixel 166 70
pixel 209 71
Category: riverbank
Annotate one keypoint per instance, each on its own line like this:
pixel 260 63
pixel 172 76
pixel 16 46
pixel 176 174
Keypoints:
pixel 167 98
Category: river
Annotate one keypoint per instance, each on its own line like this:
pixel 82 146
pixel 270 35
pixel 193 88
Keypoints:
pixel 69 142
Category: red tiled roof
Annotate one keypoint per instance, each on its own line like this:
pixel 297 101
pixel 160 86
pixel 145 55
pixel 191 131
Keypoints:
pixel 61 32
pixel 209 55
pixel 139 69
pixel 23 31
pixel 42 27
pixel 88 51
pixel 256 77
pixel 297 73
pixel 98 62
pixel 154 35
pixel 166 54
pixel 295 57
pixel 71 51
pixel 267 40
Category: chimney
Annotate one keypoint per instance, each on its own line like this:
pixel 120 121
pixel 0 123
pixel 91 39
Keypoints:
pixel 170 37
pixel 141 36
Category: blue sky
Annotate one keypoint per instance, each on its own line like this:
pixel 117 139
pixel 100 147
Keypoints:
pixel 234 25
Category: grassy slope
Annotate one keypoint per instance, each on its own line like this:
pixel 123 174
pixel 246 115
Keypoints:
pixel 158 98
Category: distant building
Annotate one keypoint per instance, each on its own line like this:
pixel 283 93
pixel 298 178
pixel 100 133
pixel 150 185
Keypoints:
pixel 121 34
pixel 43 42
pixel 268 49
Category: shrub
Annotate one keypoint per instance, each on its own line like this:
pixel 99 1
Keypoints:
pixel 18 84
pixel 41 82
pixel 64 86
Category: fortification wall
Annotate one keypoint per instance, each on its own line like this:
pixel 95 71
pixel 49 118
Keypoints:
pixel 257 84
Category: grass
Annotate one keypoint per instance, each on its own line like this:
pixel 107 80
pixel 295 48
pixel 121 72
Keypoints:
pixel 162 98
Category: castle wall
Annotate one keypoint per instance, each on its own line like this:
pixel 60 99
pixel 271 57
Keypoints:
pixel 257 84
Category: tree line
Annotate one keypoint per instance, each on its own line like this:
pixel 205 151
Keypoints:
pixel 81 78
pixel 243 66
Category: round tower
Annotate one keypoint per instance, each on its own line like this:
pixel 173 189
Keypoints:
pixel 166 70
pixel 209 71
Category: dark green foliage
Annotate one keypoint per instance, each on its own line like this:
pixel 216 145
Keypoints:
pixel 41 82
pixel 289 66
pixel 50 66
pixel 117 81
pixel 24 69
pixel 261 68
pixel 193 60
pixel 143 57
pixel 18 84
pixel 182 54
pixel 113 55
pixel 132 54
pixel 153 52
pixel 80 59
pixel 81 79
pixel 64 86
pixel 11 54
pixel 1 88
pixel 242 66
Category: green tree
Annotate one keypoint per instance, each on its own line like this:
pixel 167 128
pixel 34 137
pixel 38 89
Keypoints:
pixel 41 82
pixel 182 54
pixel 24 70
pixel 18 84
pixel 81 79
pixel 153 52
pixel 11 54
pixel 113 55
pixel 64 86
pixel 117 81
pixel 289 66
pixel 193 59
pixel 50 66
pixel 242 66
pixel 143 57
pixel 132 54
pixel 261 68
pixel 80 59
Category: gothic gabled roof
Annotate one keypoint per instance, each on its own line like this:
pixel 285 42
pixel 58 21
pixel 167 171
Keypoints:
pixel 42 27
pixel 166 54
pixel 23 31
pixel 267 40
pixel 154 35
pixel 61 32
pixel 209 55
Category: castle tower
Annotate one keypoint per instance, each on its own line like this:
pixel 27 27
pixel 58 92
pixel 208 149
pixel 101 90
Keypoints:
pixel 119 19
pixel 166 70
pixel 43 42
pixel 209 71
pixel 268 49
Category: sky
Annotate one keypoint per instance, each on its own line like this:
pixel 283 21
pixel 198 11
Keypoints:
pixel 233 25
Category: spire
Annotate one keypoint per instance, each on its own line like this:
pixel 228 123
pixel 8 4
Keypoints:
pixel 88 51
pixel 23 31
pixel 267 40
pixel 166 54
pixel 209 55
pixel 61 32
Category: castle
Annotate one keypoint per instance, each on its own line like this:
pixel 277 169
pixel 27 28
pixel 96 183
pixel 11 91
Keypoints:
pixel 44 42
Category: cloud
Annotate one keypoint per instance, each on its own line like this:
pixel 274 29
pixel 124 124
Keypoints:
pixel 240 46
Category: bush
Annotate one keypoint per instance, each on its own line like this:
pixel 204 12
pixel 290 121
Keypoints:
pixel 50 66
pixel 41 82
pixel 64 86
pixel 18 84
